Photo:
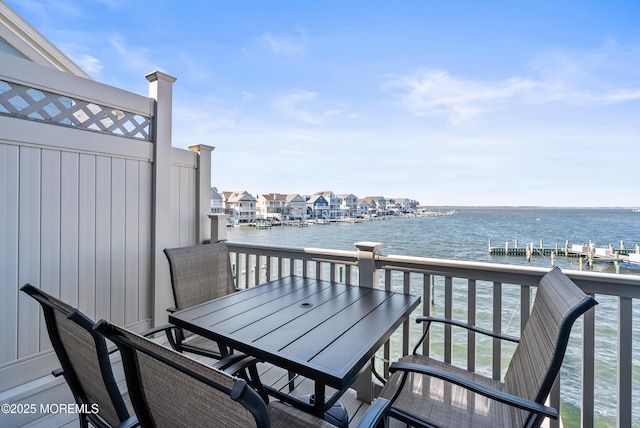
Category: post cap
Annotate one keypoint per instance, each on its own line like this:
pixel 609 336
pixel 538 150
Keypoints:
pixel 369 246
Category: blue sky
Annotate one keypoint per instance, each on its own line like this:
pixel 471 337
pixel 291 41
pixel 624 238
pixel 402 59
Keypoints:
pixel 448 102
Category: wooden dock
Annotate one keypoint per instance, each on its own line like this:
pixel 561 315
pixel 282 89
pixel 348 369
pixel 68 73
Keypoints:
pixel 297 223
pixel 263 224
pixel 588 252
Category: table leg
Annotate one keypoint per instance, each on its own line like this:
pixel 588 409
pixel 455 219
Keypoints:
pixel 330 410
pixel 318 405
pixel 364 385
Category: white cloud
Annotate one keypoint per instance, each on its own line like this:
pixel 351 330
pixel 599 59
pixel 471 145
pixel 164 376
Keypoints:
pixel 133 58
pixel 246 96
pixel 614 96
pixel 61 7
pixel 195 125
pixel 88 63
pixel 290 105
pixel 284 45
pixel 600 77
pixel 437 93
pixel 203 120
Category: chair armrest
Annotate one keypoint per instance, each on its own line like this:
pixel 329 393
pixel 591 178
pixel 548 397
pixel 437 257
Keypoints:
pixel 378 411
pixel 158 329
pixel 462 324
pixel 469 327
pixel 172 310
pixel 234 363
pixel 238 364
pixel 57 372
pixel 500 396
pixel 167 329
pixel 377 375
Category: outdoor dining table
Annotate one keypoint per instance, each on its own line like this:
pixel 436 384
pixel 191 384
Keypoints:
pixel 322 330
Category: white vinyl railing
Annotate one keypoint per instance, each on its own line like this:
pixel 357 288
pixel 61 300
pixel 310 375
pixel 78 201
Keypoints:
pixel 495 296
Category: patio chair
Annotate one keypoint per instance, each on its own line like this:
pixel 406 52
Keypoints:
pixel 428 393
pixel 198 274
pixel 170 389
pixel 86 366
pixel 84 358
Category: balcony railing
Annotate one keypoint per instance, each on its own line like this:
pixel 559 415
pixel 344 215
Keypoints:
pixel 494 296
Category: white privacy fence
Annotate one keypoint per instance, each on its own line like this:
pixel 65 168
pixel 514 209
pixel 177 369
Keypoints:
pixel 91 192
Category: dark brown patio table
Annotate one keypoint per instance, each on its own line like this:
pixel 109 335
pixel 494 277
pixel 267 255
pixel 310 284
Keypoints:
pixel 325 331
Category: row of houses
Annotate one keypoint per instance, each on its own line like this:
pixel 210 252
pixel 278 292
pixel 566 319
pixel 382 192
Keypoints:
pixel 246 208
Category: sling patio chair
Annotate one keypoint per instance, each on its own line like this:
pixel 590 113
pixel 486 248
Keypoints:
pixel 86 367
pixel 426 392
pixel 198 274
pixel 169 389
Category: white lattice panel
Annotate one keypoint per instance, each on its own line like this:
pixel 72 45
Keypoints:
pixel 35 104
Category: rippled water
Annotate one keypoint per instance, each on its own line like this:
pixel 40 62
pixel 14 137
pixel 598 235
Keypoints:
pixel 466 237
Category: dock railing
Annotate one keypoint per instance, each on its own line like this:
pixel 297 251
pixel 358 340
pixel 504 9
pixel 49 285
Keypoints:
pixel 494 296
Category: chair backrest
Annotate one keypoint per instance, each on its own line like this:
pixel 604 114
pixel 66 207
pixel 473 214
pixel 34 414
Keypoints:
pixel 538 357
pixel 170 389
pixel 84 358
pixel 200 273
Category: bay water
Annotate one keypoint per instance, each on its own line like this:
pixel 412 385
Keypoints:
pixel 466 236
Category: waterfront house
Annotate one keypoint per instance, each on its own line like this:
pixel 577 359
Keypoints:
pixel 217 201
pixel 379 202
pixel 296 206
pixel 240 206
pixel 410 205
pixel 402 205
pixel 335 204
pixel 317 206
pixel 89 206
pixel 272 206
pixel 367 208
pixel 349 205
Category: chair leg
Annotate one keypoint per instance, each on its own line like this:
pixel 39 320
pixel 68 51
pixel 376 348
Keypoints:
pixel 84 422
pixel 224 351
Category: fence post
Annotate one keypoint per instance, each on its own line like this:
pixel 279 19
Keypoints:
pixel 161 93
pixel 218 227
pixel 203 191
pixel 367 271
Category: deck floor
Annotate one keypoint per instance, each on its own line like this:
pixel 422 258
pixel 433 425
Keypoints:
pixel 270 375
